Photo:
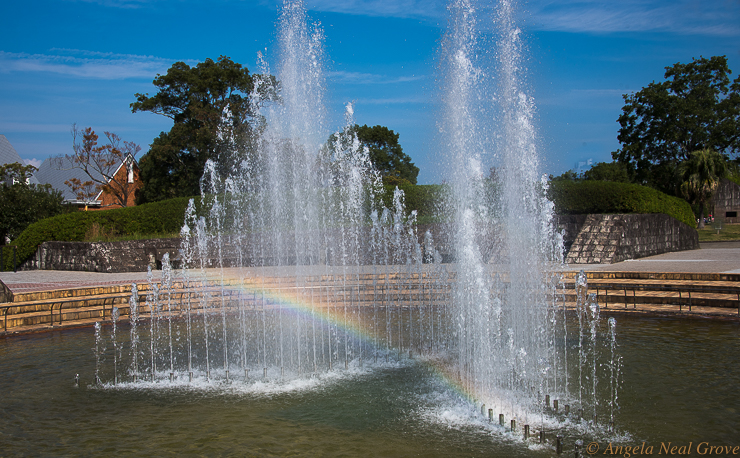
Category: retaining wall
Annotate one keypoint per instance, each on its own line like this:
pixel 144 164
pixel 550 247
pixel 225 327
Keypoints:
pixel 588 239
pixel 126 256
pixel 606 239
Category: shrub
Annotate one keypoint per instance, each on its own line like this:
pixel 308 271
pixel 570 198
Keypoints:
pixel 610 197
pixel 155 218
pixel 425 199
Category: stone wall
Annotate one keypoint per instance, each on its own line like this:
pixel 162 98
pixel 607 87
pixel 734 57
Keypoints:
pixel 589 239
pixel 606 239
pixel 127 256
pixel 726 202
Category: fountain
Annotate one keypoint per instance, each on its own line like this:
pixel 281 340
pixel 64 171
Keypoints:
pixel 308 212
pixel 295 269
pixel 304 302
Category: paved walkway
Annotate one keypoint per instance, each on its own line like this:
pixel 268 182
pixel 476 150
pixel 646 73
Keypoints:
pixel 47 280
pixel 714 257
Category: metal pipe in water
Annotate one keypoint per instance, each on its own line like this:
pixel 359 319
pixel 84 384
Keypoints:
pixel 559 445
pixel 490 415
pixel 501 419
pixel 579 444
pixel 555 405
pixel 526 432
pixel 513 425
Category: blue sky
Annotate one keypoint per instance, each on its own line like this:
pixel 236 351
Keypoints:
pixel 81 61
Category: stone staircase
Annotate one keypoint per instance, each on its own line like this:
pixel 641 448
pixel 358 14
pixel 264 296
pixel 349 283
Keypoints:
pixel 77 307
pixel 694 294
pixel 701 294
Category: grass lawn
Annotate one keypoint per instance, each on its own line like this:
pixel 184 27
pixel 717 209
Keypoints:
pixel 728 232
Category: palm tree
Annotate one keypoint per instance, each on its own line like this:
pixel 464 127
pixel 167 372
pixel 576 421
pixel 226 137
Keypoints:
pixel 700 175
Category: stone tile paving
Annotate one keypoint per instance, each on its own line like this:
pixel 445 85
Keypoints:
pixel 45 280
pixel 722 259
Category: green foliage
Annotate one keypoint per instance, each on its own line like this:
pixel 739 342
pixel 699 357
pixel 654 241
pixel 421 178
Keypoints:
pixel 22 204
pixel 201 100
pixel 733 172
pixel 607 171
pixel 386 153
pixel 700 177
pixel 568 175
pixel 154 218
pixel 425 199
pixel 16 173
pixel 695 108
pixel 608 197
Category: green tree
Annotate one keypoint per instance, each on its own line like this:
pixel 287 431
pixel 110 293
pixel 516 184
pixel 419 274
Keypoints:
pixel 386 153
pixel 21 203
pixel 700 177
pixel 204 102
pixel 696 108
pixel 568 175
pixel 607 171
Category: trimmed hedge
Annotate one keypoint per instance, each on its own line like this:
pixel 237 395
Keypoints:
pixel 154 218
pixel 609 197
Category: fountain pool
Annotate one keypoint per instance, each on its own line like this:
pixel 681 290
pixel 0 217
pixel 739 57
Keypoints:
pixel 682 389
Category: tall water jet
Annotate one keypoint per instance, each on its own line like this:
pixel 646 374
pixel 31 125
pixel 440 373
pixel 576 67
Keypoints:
pixel 501 220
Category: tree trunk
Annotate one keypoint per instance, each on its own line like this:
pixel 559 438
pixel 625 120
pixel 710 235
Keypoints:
pixel 701 215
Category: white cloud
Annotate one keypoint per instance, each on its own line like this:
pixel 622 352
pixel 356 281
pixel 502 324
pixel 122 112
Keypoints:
pixel 382 8
pixel 716 18
pixel 719 18
pixel 118 3
pixel 34 162
pixel 85 64
pixel 393 101
pixel 371 78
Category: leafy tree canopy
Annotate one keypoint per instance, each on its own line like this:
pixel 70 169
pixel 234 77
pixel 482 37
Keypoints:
pixel 700 177
pixel 607 171
pixel 696 108
pixel 568 175
pixel 207 103
pixel 22 204
pixel 386 153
